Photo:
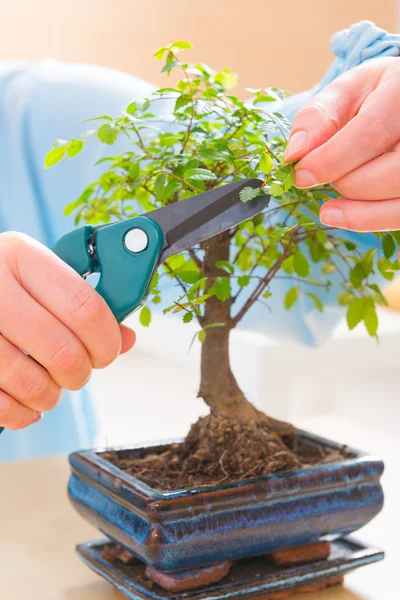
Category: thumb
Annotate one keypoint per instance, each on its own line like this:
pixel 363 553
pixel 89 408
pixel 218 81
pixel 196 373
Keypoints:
pixel 128 338
pixel 325 114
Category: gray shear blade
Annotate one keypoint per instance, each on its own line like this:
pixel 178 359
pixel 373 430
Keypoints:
pixel 189 222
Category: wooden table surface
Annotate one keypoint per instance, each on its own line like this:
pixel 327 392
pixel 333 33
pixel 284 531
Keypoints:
pixel 39 529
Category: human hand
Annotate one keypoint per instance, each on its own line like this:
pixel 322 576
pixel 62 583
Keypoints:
pixel 54 329
pixel 349 135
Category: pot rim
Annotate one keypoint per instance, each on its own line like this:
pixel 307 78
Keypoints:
pixel 84 462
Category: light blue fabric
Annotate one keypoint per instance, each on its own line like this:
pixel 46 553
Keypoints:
pixel 47 100
pixel 39 103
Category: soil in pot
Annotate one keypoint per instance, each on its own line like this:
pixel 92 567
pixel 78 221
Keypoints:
pixel 220 450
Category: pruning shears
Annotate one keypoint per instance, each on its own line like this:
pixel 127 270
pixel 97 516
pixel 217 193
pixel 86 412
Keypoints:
pixel 127 253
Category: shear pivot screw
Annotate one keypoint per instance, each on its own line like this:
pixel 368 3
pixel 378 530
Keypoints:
pixel 136 240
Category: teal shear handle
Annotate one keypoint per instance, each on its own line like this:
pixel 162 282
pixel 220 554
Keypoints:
pixel 125 254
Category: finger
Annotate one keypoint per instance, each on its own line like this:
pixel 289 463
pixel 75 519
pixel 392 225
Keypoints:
pixel 15 416
pixel 325 114
pixel 128 338
pixel 29 326
pixel 373 131
pixel 362 216
pixel 67 296
pixel 378 179
pixel 25 380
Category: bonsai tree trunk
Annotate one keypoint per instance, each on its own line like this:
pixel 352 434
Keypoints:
pixel 218 386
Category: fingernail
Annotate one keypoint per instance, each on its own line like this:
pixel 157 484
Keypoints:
pixel 333 216
pixel 37 416
pixel 297 143
pixel 305 179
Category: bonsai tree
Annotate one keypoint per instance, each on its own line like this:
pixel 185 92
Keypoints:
pixel 210 138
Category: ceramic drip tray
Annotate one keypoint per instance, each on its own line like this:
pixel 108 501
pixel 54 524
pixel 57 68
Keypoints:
pixel 248 578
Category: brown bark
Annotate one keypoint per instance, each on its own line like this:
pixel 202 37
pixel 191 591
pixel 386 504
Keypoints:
pixel 218 387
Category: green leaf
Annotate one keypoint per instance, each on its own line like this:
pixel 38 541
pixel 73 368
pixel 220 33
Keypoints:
pixel 134 170
pixel 243 280
pixel 350 246
pixel 182 100
pixel 181 46
pixel 189 276
pixel 201 299
pixel 291 297
pixel 396 236
pixel 144 105
pixel 385 268
pixel 378 296
pixel 289 180
pixel 287 265
pixel 107 134
pixel 202 336
pixel 368 262
pixel 159 186
pixel 156 300
pixel 83 198
pixel 345 297
pixel 370 318
pixel 101 118
pixel 248 193
pixel 363 268
pixel 75 147
pixel 266 163
pixel 145 316
pixel 300 265
pixel 317 301
pixel 357 274
pixel 187 317
pixel 54 156
pixel 199 174
pixel 226 78
pixel 159 55
pixel 176 261
pixel 132 108
pixel 167 68
pixel 388 245
pixel 226 266
pixel 154 281
pixel 221 288
pixel 276 190
pixel 355 312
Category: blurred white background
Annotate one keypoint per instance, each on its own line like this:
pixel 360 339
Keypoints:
pixel 151 393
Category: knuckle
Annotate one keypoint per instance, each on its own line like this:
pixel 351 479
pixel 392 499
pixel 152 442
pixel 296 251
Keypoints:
pixel 41 393
pixel 35 388
pixel 68 356
pixel 328 116
pixel 86 308
pixel 379 128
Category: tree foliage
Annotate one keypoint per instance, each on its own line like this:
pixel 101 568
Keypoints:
pixel 210 138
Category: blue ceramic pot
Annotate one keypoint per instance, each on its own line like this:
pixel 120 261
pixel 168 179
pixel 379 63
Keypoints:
pixel 197 527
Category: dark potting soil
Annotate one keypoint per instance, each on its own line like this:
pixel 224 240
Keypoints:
pixel 219 450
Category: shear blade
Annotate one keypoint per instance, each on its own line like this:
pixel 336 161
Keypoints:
pixel 190 222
